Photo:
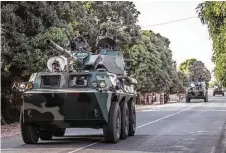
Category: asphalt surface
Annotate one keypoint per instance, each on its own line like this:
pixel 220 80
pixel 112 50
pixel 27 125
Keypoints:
pixel 196 127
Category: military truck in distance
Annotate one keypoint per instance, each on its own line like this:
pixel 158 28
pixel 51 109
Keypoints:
pixel 218 91
pixel 80 89
pixel 197 90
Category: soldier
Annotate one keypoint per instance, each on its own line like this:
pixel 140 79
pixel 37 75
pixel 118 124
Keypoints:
pixel 153 98
pixel 102 35
pixel 148 98
pixel 56 66
pixel 200 79
pixel 192 79
pixel 73 44
pixel 166 97
pixel 80 44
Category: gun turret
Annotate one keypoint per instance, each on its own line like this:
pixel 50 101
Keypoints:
pixel 66 61
pixel 63 51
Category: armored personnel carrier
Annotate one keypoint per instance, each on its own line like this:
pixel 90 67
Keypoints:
pixel 196 90
pixel 218 91
pixel 80 89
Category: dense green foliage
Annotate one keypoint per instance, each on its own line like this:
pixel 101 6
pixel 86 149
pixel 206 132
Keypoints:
pixel 152 64
pixel 214 83
pixel 196 69
pixel 213 14
pixel 26 25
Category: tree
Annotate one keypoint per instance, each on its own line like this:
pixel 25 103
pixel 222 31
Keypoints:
pixel 214 83
pixel 213 14
pixel 152 63
pixel 195 68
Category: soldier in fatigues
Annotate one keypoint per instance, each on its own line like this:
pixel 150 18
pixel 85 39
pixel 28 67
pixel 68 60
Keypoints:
pixel 166 97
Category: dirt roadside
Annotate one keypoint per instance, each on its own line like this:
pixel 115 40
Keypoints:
pixel 10 131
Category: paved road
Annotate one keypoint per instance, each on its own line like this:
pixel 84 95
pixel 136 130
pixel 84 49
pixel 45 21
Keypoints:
pixel 195 127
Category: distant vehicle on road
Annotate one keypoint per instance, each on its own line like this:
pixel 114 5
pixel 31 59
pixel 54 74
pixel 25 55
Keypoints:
pixel 218 91
pixel 196 90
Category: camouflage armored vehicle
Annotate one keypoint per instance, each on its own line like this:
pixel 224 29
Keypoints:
pixel 218 91
pixel 80 89
pixel 196 90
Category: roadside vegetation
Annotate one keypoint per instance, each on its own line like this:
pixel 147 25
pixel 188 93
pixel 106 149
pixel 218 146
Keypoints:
pixel 195 68
pixel 213 15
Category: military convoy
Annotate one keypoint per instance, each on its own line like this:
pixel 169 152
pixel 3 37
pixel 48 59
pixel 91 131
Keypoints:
pixel 80 89
pixel 197 90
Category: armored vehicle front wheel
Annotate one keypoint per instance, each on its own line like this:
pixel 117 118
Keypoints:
pixel 223 94
pixel 29 132
pixel 112 129
pixel 132 119
pixel 59 132
pixel 46 134
pixel 124 120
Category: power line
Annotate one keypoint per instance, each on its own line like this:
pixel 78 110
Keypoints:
pixel 152 25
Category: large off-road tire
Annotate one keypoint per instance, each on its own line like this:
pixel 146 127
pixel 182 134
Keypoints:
pixel 29 132
pixel 46 134
pixel 132 118
pixel 223 94
pixel 59 132
pixel 213 94
pixel 124 120
pixel 112 129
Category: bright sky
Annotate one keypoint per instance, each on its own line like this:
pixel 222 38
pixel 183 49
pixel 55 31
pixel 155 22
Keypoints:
pixel 189 38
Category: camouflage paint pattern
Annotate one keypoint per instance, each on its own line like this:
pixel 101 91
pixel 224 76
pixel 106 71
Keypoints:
pixel 65 106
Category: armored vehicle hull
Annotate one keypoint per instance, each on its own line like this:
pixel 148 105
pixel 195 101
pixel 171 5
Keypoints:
pixel 68 108
pixel 197 92
pixel 196 95
pixel 51 107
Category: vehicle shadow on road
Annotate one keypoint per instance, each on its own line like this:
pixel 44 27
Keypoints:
pixel 63 142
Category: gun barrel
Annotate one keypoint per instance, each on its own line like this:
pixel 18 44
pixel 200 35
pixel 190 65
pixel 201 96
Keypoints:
pixel 65 52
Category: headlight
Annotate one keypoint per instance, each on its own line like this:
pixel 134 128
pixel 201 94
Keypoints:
pixel 22 86
pixel 29 85
pixel 94 84
pixel 25 85
pixel 102 84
